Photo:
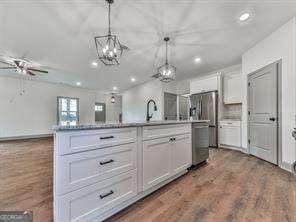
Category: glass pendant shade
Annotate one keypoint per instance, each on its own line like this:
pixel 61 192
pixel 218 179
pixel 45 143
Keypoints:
pixel 166 72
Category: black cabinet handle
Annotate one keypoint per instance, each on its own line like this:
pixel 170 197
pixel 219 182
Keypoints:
pixel 106 162
pixel 174 139
pixel 106 137
pixel 102 196
pixel 272 119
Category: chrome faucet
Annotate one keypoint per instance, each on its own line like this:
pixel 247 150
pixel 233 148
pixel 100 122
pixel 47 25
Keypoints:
pixel 148 116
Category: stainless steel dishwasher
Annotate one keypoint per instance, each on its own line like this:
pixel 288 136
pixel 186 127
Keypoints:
pixel 200 143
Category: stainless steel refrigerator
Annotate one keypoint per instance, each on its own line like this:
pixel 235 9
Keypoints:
pixel 204 106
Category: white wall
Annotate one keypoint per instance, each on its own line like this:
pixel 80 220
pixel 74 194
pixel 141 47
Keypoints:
pixel 278 45
pixel 112 109
pixel 35 112
pixel 135 99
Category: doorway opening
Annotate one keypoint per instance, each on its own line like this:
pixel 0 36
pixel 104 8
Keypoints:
pixel 100 112
pixel 264 116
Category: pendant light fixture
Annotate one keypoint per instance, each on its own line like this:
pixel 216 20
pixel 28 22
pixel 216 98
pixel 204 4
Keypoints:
pixel 166 72
pixel 112 100
pixel 109 49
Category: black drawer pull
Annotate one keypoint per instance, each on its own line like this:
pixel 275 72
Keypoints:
pixel 106 162
pixel 106 137
pixel 102 196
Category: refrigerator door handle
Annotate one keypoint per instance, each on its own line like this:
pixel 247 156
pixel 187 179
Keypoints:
pixel 200 109
pixel 192 111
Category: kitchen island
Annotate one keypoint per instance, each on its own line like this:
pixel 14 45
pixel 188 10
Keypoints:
pixel 101 169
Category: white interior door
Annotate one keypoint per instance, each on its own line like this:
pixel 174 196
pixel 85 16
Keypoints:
pixel 263 117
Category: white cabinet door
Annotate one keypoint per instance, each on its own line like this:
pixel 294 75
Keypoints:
pixel 230 136
pixel 181 153
pixel 232 89
pixel 156 161
pixel 204 85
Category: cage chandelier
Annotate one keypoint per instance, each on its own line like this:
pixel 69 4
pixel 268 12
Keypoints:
pixel 108 47
pixel 166 72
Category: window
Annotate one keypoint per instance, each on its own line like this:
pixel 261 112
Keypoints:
pixel 99 108
pixel 68 114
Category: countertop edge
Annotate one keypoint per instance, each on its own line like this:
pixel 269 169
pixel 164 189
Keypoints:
pixel 122 125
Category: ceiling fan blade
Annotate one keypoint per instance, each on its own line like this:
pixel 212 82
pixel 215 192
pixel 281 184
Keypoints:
pixel 7 63
pixel 155 75
pixel 37 70
pixel 10 67
pixel 30 73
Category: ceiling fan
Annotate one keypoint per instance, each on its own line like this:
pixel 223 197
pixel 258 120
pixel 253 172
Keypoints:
pixel 21 66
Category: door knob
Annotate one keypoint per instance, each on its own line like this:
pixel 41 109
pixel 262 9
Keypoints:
pixel 272 119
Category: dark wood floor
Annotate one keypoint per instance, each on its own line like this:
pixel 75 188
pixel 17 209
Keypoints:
pixel 26 177
pixel 231 187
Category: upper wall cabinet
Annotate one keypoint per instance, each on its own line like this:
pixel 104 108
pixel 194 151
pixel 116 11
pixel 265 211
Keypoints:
pixel 232 89
pixel 203 85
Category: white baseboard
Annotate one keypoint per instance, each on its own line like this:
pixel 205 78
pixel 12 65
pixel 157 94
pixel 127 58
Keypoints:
pixel 286 166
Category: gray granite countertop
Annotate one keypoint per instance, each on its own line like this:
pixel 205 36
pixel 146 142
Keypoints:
pixel 121 125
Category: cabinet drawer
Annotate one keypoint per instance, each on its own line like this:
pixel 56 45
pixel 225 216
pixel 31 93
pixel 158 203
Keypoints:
pixel 153 132
pixel 71 142
pixel 81 169
pixel 91 201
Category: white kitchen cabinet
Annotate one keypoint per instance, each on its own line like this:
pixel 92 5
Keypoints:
pixel 164 157
pixel 230 133
pixel 98 172
pixel 204 85
pixel 181 153
pixel 232 89
pixel 156 161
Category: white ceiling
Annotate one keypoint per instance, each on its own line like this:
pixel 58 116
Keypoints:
pixel 59 34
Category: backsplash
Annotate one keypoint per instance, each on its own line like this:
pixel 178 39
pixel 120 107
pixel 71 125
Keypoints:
pixel 233 111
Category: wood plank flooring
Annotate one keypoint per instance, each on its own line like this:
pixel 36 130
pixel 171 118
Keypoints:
pixel 231 187
pixel 26 172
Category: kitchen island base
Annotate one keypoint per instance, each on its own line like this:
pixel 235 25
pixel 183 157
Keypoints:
pixel 100 171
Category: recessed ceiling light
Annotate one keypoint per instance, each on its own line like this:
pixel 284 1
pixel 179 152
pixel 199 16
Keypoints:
pixel 133 79
pixel 78 83
pixel 114 88
pixel 94 64
pixel 244 16
pixel 197 59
